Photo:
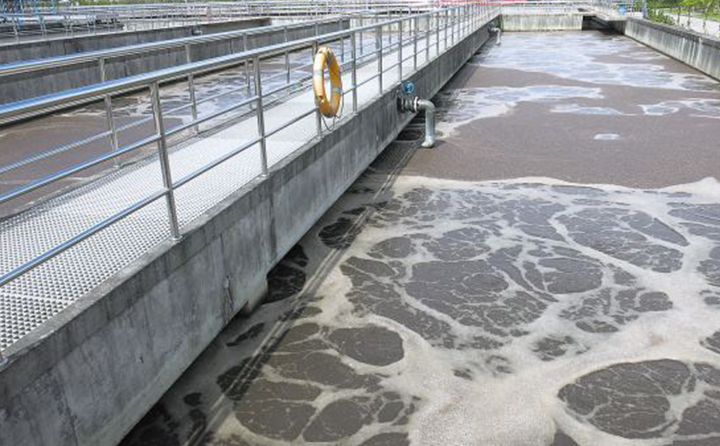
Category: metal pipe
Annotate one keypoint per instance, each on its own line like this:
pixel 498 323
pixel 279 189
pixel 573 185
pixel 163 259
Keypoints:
pixel 498 34
pixel 429 108
pixel 416 105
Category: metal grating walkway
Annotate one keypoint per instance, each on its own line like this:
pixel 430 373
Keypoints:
pixel 37 296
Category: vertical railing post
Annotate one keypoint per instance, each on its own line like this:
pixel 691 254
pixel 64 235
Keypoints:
pixel 361 35
pixel 354 73
pixel 389 31
pixel 446 23
pixel 400 50
pixel 453 19
pixel 109 110
pixel 379 42
pixel 247 65
pixel 469 19
pixel 260 113
pixel 318 115
pixel 437 34
pixel 428 20
pixel 342 50
pixel 458 24
pixel 465 16
pixel 342 42
pixel 287 57
pixel 43 28
pixel 164 161
pixel 415 42
pixel 191 88
pixel 16 28
pixel 472 18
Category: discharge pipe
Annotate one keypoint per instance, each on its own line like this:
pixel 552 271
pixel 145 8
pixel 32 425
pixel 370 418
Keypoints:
pixel 498 34
pixel 416 105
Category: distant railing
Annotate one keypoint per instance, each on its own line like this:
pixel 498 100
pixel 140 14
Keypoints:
pixel 137 15
pixel 101 57
pixel 75 20
pixel 568 6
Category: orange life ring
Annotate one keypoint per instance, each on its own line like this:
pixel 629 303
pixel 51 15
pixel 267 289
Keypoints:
pixel 328 106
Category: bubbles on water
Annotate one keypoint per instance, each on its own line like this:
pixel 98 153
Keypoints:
pixel 700 108
pixel 521 313
pixel 497 279
pixel 528 312
pixel 586 110
pixel 650 399
pixel 460 106
pixel 606 137
pixel 587 58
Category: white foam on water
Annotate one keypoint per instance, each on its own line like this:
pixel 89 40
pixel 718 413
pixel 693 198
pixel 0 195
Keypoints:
pixel 703 108
pixel 521 408
pixel 461 106
pixel 510 395
pixel 606 137
pixel 585 110
pixel 578 56
pixel 485 380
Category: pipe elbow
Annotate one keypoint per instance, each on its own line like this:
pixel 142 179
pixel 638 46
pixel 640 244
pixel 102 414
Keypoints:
pixel 498 34
pixel 425 105
pixel 429 108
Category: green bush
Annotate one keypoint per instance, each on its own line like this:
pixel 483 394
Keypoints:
pixel 659 17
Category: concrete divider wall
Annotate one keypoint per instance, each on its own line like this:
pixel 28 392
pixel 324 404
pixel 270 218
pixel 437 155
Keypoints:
pixel 697 50
pixel 63 46
pixel 39 83
pixel 541 22
pixel 87 376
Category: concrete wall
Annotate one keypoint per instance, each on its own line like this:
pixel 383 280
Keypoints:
pixel 541 22
pixel 88 375
pixel 697 50
pixel 39 83
pixel 40 49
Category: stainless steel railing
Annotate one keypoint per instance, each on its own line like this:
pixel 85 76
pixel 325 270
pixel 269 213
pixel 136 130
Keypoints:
pixel 72 20
pixel 140 15
pixel 609 7
pixel 413 35
pixel 187 43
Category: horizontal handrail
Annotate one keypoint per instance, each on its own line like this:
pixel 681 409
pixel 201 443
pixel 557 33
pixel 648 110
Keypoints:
pixel 29 66
pixel 72 98
pixel 70 20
